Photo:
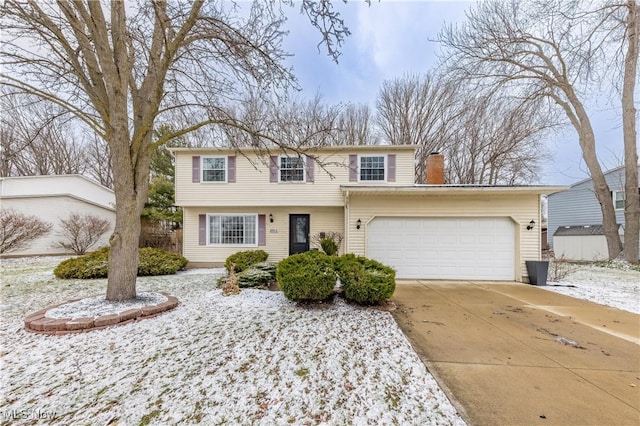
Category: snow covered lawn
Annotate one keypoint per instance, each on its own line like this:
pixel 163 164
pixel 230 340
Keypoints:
pixel 249 359
pixel 616 286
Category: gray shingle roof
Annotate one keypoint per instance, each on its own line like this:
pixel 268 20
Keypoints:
pixel 580 230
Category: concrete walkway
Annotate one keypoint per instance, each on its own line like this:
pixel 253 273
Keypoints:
pixel 514 354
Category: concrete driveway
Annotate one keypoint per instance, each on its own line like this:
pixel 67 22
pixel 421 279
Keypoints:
pixel 515 354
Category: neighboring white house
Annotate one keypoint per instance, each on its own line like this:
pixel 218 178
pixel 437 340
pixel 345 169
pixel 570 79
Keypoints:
pixel 234 200
pixel 52 198
pixel 574 216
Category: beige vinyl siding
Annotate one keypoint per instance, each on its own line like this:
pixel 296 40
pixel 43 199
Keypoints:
pixel 405 168
pixel 253 188
pixel 519 208
pixel 323 219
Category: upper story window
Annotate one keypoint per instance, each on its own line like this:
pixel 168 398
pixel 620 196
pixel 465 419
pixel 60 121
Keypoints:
pixel 291 169
pixel 214 169
pixel 372 168
pixel 618 199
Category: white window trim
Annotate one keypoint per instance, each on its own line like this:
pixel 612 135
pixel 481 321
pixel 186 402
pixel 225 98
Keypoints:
pixel 624 196
pixel 304 169
pixel 386 167
pixel 226 169
pixel 208 231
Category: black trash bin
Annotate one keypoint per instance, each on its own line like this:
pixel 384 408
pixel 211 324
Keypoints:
pixel 537 271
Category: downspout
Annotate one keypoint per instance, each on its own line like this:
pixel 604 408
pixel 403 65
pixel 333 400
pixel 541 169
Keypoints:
pixel 347 238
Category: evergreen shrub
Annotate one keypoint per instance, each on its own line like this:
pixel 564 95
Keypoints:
pixel 151 261
pixel 306 277
pixel 365 281
pixel 244 259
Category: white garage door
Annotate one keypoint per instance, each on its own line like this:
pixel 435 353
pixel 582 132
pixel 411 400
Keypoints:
pixel 444 248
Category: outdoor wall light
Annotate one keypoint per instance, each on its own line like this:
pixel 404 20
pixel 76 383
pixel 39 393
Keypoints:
pixel 271 217
pixel 358 224
pixel 531 225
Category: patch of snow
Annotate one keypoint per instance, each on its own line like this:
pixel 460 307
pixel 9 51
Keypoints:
pixel 617 288
pixel 255 358
pixel 93 307
pixel 203 271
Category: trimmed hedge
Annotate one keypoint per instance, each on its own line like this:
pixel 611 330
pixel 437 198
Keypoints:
pixel 151 261
pixel 308 276
pixel 364 280
pixel 244 259
pixel 154 261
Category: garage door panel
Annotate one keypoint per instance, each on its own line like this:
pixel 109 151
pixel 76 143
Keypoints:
pixel 444 248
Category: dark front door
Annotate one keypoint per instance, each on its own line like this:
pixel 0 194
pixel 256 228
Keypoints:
pixel 298 233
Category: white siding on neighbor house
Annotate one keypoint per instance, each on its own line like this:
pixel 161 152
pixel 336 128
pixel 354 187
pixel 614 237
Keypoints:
pixel 579 206
pixel 55 197
pixel 73 185
pixel 322 219
pixel 51 209
pixel 581 247
pixel 252 186
pixel 521 209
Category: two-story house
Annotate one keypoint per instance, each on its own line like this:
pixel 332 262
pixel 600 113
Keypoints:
pixel 575 218
pixel 235 199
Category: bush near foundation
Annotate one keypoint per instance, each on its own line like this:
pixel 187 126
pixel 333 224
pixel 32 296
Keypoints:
pixel 242 260
pixel 151 261
pixel 307 277
pixel 364 280
pixel 154 261
pixel 261 275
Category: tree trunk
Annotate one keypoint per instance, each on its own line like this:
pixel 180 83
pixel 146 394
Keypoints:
pixel 123 255
pixel 131 183
pixel 632 198
pixel 601 189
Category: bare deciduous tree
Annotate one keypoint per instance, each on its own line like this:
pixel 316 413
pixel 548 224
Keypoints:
pixel 80 232
pixel 485 140
pixel 120 68
pixel 417 110
pixel 99 162
pixel 17 230
pixel 497 142
pixel 630 76
pixel 295 124
pixel 38 138
pixel 356 126
pixel 547 50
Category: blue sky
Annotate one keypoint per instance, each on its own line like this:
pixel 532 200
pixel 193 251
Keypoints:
pixel 392 38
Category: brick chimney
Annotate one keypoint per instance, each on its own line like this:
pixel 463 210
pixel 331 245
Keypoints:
pixel 435 169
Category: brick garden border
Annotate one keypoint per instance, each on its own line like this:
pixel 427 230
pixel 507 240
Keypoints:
pixel 37 322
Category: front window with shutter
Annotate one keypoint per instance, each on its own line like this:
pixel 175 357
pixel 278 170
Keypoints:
pixel 237 230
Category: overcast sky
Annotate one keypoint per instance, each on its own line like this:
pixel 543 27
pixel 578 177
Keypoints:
pixel 392 38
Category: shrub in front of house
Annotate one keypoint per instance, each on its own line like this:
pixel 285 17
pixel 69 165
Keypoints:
pixel 155 261
pixel 242 260
pixel 92 265
pixel 261 275
pixel 306 277
pixel 151 261
pixel 329 246
pixel 364 280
